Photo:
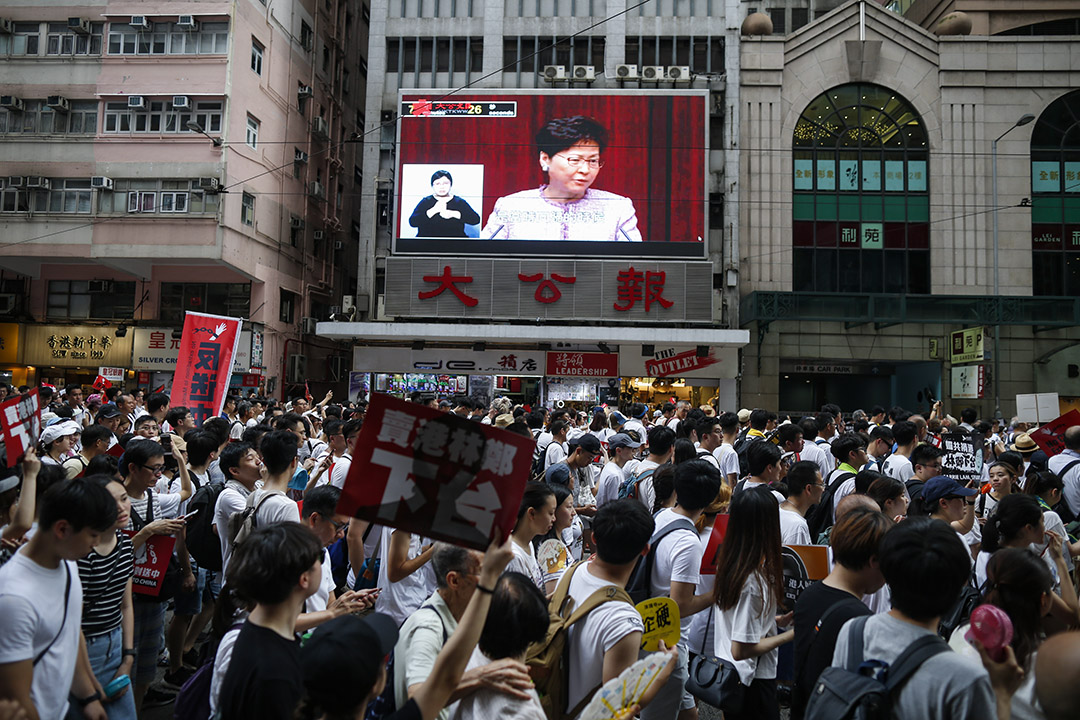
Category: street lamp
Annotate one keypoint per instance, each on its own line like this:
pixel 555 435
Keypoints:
pixel 196 127
pixel 1024 120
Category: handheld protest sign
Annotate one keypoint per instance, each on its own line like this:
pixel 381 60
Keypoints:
pixel 421 470
pixel 662 622
pixel 960 461
pixel 1051 437
pixel 20 419
pixel 151 562
pixel 204 364
pixel 803 566
pixel 712 549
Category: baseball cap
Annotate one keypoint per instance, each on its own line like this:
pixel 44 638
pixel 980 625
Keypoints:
pixel 587 442
pixel 744 415
pixel 943 486
pixel 59 430
pixel 108 411
pixel 657 413
pixel 504 420
pixel 619 440
pixel 619 417
pixel 340 662
pixel 557 474
pixel 445 403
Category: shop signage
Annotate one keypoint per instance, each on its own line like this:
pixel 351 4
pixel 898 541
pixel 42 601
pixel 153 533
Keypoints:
pixel 819 368
pixel 201 380
pixel 81 346
pixel 157 349
pixel 112 374
pixel 967 346
pixel 582 364
pixel 9 343
pixel 143 379
pixel 20 419
pixel 968 381
pixel 636 290
pixel 421 470
pixel 256 350
pixel 443 361
pixel 678 361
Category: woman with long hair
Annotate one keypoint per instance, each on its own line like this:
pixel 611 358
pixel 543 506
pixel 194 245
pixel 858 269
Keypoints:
pixel 891 495
pixel 663 480
pixel 684 450
pixel 1047 488
pixel 536 515
pixel 557 557
pixel 749 588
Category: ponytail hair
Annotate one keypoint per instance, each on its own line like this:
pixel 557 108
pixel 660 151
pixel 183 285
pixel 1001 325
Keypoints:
pixel 535 497
pixel 1008 519
pixel 1043 481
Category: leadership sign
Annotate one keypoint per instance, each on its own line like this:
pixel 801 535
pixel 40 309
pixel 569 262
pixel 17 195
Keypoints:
pixel 20 419
pixel 430 472
pixel 204 365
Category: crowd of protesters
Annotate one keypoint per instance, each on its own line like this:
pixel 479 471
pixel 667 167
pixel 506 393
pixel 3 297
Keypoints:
pixel 295 611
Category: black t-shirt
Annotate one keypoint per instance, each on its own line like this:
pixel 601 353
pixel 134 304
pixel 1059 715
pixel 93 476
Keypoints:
pixel 814 650
pixel 438 226
pixel 263 681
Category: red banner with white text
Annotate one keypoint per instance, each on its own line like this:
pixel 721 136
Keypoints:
pixel 20 418
pixel 204 365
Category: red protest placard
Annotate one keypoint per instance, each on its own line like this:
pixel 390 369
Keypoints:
pixel 435 473
pixel 204 365
pixel 582 364
pixel 1051 437
pixel 151 562
pixel 712 549
pixel 20 419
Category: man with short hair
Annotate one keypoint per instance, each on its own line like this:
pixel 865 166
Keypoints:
pixel 1066 465
pixel 158 406
pixel 763 459
pixel 827 429
pixel 812 451
pixel 968 416
pixel 805 487
pixel 710 439
pixel 73 395
pixel 898 465
pixel 179 420
pixel 42 659
pixel 725 455
pixel 242 468
pixel 95 441
pixel 926 465
pixel 681 410
pixel 850 454
pixel 340 472
pixel 759 422
pixel 661 448
pixel 328 454
pixel 109 417
pixel 880 447
pixel 320 516
pixel 621 450
pixel 557 450
pixel 876 416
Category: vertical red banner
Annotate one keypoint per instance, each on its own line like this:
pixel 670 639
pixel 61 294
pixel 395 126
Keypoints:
pixel 204 365
pixel 20 419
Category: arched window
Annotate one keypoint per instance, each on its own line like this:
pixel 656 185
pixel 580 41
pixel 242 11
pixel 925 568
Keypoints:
pixel 860 206
pixel 1055 201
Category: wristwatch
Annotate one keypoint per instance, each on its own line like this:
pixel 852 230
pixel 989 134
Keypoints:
pixel 83 702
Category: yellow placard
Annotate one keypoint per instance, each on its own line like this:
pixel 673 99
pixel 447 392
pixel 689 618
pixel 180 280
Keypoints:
pixel 661 618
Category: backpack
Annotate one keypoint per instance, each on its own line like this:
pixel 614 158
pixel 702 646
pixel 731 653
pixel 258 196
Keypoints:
pixel 202 542
pixel 547 660
pixel 536 470
pixel 960 612
pixel 640 586
pixel 820 516
pixel 741 446
pixel 243 523
pixel 385 703
pixel 629 487
pixel 1062 508
pixel 852 693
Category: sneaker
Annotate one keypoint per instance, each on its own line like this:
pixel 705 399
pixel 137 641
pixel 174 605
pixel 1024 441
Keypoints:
pixel 177 678
pixel 158 697
pixel 163 658
pixel 192 657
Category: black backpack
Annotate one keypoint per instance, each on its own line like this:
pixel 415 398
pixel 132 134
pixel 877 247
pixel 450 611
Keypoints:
pixel 1062 508
pixel 960 612
pixel 820 516
pixel 202 541
pixel 742 444
pixel 639 587
pixel 846 693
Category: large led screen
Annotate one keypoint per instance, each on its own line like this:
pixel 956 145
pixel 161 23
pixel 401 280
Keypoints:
pixel 559 172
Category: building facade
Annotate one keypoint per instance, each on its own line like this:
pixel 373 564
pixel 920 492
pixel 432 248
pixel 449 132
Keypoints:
pixel 160 157
pixel 911 207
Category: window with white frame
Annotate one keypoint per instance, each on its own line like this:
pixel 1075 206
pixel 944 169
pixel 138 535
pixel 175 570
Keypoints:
pixel 156 196
pixel 247 209
pixel 159 116
pixel 209 38
pixel 38 118
pixel 70 196
pixel 24 39
pixel 256 56
pixel 251 138
pixel 62 40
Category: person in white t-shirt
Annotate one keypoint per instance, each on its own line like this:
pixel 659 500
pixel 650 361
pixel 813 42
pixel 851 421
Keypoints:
pixel 340 471
pixel 898 465
pixel 536 515
pixel 621 450
pixel 41 599
pixel 661 449
pixel 405 574
pixel 710 439
pixel 725 454
pixel 804 487
pixel 242 468
pixel 814 452
pixel 557 450
pixel 675 574
pixel 681 410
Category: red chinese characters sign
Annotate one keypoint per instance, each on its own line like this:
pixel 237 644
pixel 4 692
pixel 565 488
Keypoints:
pixel 1051 437
pixel 20 418
pixel 434 473
pixel 580 364
pixel 151 562
pixel 205 363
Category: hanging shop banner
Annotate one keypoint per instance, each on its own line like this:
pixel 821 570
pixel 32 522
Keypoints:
pixel 151 562
pixel 968 381
pixel 112 374
pixel 1051 437
pixel 582 364
pixel 430 472
pixel 204 366
pixel 967 346
pixel 444 361
pixel 157 349
pixel 9 343
pixel 960 461
pixel 75 346
pixel 20 419
pixel 678 361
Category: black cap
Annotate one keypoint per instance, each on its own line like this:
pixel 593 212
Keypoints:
pixel 587 442
pixel 108 412
pixel 342 659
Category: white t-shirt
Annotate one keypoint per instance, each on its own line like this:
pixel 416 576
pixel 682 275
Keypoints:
pixel 33 612
pixel 816 454
pixel 236 430
pixel 590 639
pixel 231 500
pixel 728 459
pixel 749 620
pixel 321 599
pixel 486 703
pixel 524 562
pixel 420 640
pixel 793 528
pixel 340 471
pixel 846 488
pixel 645 492
pixel 401 599
pixel 708 457
pixel 899 467
pixel 555 454
pixel 611 477
pixel 678 559
pixel 221 666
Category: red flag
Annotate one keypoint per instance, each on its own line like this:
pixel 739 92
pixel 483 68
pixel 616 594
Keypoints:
pixel 204 365
pixel 102 383
pixel 307 392
pixel 20 420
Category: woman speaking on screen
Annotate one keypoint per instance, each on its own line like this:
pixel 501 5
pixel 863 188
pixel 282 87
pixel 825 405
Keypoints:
pixel 566 208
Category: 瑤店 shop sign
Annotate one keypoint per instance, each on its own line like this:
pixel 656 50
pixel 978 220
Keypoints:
pixel 156 349
pixel 582 364
pixel 680 361
pixel 76 346
pixel 449 361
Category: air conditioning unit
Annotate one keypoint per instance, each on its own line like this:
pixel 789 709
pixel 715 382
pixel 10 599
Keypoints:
pixel 679 73
pixel 318 190
pixel 16 181
pixel 187 21
pixel 586 73
pixel 348 303
pixel 320 128
pixel 626 72
pixel 209 184
pixel 11 102
pixel 307 325
pixel 99 286
pixel 101 182
pixel 5 26
pixel 339 244
pixel 136 101
pixel 58 103
pixel 8 302
pixel 305 91
pixel 300 156
pixel 296 222
pixel 652 73
pixel 181 101
pixel 554 72
pixel 41 183
pixel 140 21
pixel 79 25
pixel 296 369
pixel 320 234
